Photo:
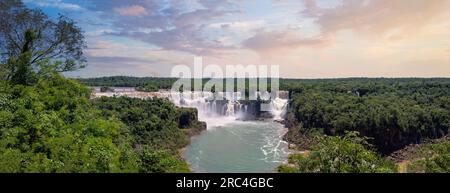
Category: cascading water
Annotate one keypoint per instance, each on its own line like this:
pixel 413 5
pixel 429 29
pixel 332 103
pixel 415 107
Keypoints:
pixel 230 107
pixel 213 112
pixel 278 108
pixel 230 145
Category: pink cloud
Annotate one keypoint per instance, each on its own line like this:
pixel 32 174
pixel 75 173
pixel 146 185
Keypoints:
pixel 382 18
pixel 280 40
pixel 134 10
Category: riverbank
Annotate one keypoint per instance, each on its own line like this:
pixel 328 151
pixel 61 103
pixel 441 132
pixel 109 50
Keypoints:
pixel 192 132
pixel 297 141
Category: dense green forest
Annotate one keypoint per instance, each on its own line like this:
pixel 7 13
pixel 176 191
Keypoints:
pixel 350 153
pixel 48 122
pixel 52 126
pixel 393 112
pixel 156 128
pixel 127 81
pixel 390 113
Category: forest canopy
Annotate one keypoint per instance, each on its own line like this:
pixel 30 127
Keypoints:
pixel 48 123
pixel 393 112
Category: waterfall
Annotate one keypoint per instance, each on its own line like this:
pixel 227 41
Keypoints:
pixel 215 108
pixel 206 104
pixel 279 108
pixel 229 108
pixel 213 112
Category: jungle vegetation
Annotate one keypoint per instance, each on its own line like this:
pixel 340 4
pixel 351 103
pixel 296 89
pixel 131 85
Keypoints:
pixel 48 122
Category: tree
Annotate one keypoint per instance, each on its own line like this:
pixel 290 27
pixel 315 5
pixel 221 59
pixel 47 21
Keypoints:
pixel 160 161
pixel 30 34
pixel 51 127
pixel 23 72
pixel 347 154
pixel 431 158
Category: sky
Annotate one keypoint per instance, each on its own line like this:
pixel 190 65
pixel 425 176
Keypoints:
pixel 306 38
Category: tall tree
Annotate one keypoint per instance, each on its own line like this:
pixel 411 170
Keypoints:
pixel 25 31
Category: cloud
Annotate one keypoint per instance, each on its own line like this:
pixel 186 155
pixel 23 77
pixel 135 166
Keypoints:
pixel 185 39
pixel 55 3
pixel 379 18
pixel 99 47
pixel 134 10
pixel 246 25
pixel 170 25
pixel 117 57
pixel 116 60
pixel 321 37
pixel 269 41
pixel 118 65
pixel 311 8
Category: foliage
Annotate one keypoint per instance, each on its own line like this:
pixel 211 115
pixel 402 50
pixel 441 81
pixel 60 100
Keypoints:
pixel 49 124
pixel 158 161
pixel 432 158
pixel 151 121
pixel 394 112
pixel 148 88
pixel 156 128
pixel 346 154
pixel 29 38
pixel 50 127
pixel 127 81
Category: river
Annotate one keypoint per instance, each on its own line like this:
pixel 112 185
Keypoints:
pixel 238 146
